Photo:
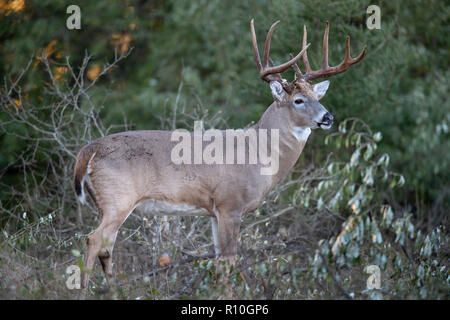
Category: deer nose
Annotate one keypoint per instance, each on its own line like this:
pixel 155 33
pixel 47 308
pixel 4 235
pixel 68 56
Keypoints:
pixel 327 118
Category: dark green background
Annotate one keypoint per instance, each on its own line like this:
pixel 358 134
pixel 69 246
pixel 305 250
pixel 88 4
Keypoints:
pixel 399 89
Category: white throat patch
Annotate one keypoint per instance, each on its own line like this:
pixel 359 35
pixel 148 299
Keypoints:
pixel 301 133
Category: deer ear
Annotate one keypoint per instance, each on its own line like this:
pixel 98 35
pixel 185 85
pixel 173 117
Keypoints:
pixel 321 88
pixel 278 92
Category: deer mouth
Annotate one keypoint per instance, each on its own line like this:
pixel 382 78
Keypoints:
pixel 325 125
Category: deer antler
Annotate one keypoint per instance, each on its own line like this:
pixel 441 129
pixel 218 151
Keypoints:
pixel 272 73
pixel 326 71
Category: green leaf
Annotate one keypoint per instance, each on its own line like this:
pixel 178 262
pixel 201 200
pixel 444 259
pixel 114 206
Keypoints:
pixel 393 184
pixel 377 136
pixel 368 177
pixel 369 152
pixel 355 157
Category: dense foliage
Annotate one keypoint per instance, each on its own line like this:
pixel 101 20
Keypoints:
pixel 375 193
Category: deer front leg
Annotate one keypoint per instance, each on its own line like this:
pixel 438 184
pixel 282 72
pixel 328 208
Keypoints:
pixel 215 233
pixel 227 236
pixel 228 233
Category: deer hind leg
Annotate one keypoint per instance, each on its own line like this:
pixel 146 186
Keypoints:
pixel 94 246
pixel 101 243
pixel 105 253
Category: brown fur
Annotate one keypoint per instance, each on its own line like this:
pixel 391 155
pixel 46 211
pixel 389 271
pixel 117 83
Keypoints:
pixel 305 88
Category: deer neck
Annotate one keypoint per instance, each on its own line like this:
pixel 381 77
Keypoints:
pixel 292 139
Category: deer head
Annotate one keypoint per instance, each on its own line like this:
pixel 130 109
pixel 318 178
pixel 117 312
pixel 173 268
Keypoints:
pixel 301 97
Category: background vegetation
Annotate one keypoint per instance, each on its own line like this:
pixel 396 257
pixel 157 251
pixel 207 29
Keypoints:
pixel 374 190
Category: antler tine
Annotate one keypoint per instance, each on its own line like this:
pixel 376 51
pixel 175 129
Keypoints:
pixel 284 66
pixel 327 71
pixel 305 56
pixel 325 46
pixel 267 45
pixel 347 49
pixel 348 58
pixel 298 72
pixel 255 46
pixel 267 73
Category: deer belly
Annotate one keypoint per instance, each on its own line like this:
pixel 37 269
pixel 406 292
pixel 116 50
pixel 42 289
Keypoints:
pixel 163 208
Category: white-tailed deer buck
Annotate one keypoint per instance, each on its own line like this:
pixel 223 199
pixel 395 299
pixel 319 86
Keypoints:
pixel 135 168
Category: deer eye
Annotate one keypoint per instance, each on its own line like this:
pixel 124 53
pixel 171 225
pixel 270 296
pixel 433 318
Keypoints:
pixel 298 101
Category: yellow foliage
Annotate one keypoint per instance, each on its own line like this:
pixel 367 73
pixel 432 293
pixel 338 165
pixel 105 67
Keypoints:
pixel 59 71
pixel 46 52
pixel 6 7
pixel 17 105
pixel 94 71
pixel 50 48
pixel 121 41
